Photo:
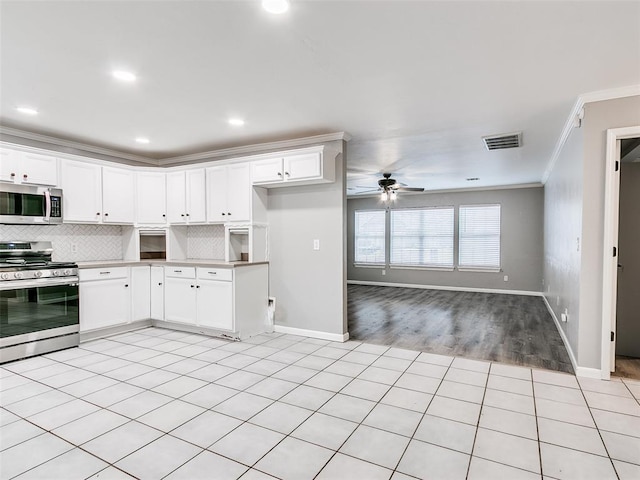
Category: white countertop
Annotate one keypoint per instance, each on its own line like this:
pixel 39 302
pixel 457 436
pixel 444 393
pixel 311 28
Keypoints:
pixel 171 263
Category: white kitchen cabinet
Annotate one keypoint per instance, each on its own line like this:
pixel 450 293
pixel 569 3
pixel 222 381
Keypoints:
pixel 118 198
pixel 180 295
pixel 157 293
pixel 105 298
pixel 303 168
pixel 140 293
pixel 186 196
pixel 215 298
pixel 28 168
pixel 229 193
pixel 151 196
pixel 82 192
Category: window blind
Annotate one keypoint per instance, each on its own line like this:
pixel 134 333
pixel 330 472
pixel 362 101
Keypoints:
pixel 370 237
pixel 422 237
pixel 479 236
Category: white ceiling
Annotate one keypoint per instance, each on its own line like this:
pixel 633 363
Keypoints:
pixel 416 84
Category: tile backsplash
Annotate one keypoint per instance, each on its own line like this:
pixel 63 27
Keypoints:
pixel 205 241
pixel 93 242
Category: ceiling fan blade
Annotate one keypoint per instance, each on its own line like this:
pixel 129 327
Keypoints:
pixel 410 189
pixel 365 191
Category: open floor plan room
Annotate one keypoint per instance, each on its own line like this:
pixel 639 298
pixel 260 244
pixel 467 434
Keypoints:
pixel 158 403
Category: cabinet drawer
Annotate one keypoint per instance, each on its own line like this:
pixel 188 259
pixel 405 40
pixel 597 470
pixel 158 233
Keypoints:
pixel 223 274
pixel 180 272
pixel 107 273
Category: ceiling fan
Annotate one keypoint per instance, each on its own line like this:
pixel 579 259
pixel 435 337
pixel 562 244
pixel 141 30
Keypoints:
pixel 389 187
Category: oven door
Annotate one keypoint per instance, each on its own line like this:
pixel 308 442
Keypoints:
pixel 32 310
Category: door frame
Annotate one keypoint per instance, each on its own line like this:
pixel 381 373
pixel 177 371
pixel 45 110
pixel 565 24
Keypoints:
pixel 609 262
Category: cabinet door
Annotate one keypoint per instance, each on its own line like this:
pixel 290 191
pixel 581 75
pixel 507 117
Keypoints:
pixel 196 196
pixel 267 171
pixel 118 199
pixel 104 303
pixel 215 304
pixel 217 187
pixel 82 198
pixel 157 293
pixel 176 195
pixel 239 192
pixel 151 194
pixel 141 293
pixel 9 165
pixel 180 300
pixel 38 169
pixel 301 167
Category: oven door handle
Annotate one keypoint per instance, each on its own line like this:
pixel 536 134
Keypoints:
pixel 39 283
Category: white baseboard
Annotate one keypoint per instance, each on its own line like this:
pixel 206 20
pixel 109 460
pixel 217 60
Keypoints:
pixel 333 337
pixel 589 373
pixel 443 287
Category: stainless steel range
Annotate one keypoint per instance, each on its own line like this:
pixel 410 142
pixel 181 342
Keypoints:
pixel 38 301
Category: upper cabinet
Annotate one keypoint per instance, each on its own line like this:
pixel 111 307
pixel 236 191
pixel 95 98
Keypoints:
pixel 186 196
pixel 151 198
pixel 229 193
pixel 28 168
pixel 299 169
pixel 95 194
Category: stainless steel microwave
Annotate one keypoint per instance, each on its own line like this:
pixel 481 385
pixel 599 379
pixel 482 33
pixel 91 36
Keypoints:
pixel 30 204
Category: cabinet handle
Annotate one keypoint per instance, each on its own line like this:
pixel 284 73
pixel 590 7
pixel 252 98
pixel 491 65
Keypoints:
pixel 192 286
pixel 197 286
pixel 286 173
pixel 163 215
pixel 13 175
pixel 105 273
pixel 126 285
pixel 159 283
pixel 25 176
pixel 106 214
pixel 223 214
pixel 182 214
pixel 279 174
pixel 97 213
pixel 177 271
pixel 187 214
pixel 229 213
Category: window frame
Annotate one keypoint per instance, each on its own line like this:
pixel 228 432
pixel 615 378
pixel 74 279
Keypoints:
pixel 356 237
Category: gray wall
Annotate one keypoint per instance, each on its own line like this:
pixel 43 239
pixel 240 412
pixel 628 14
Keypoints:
pixel 309 285
pixel 628 314
pixel 522 215
pixel 576 189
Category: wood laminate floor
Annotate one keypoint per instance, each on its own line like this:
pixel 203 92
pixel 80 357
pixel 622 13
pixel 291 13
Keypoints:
pixel 514 329
pixel 627 367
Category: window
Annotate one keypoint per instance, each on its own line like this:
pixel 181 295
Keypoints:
pixel 479 230
pixel 422 237
pixel 369 237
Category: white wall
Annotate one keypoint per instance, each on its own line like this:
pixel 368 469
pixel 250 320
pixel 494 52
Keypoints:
pixel 309 285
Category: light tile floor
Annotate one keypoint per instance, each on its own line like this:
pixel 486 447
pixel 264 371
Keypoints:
pixel 158 403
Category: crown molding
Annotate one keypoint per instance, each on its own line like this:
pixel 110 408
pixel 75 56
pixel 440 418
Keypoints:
pixel 254 148
pixel 76 145
pixel 570 124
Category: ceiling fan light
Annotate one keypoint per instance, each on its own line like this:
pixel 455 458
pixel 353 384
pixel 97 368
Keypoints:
pixel 275 6
pixel 384 196
pixel 393 195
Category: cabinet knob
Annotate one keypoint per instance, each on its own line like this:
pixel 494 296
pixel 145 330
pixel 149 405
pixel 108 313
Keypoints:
pixel 279 174
pixel 286 173
pixel 126 285
pixel 192 286
pixel 97 213
pixel 223 214
pixel 163 215
pixel 106 214
pixel 13 175
pixel 197 286
pixel 187 214
pixel 25 176
pixel 229 213
pixel 159 283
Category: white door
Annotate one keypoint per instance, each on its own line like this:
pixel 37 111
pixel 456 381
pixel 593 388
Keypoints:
pixel 9 164
pixel 39 169
pixel 104 303
pixel 141 293
pixel 151 195
pixel 267 171
pixel 157 293
pixel 301 167
pixel 215 304
pixel 176 197
pixel 118 199
pixel 82 197
pixel 239 192
pixel 180 300
pixel 217 187
pixel 196 196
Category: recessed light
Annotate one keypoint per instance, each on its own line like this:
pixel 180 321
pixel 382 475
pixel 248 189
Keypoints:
pixel 275 6
pixel 236 122
pixel 124 76
pixel 142 140
pixel 27 110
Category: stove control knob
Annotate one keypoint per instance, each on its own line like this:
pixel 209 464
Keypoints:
pixel 17 275
pixel 67 271
pixel 55 273
pixel 38 274
pixel 4 276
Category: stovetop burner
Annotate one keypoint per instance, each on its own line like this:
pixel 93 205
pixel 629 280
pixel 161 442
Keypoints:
pixel 31 260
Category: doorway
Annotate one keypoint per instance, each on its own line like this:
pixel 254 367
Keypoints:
pixel 621 271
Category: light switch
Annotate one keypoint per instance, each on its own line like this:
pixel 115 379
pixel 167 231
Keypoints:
pixel 316 244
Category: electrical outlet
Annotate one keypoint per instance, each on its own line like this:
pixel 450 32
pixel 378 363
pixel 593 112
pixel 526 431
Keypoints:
pixel 74 248
pixel 506 278
pixel 566 314
pixel 563 317
pixel 383 271
pixel 316 244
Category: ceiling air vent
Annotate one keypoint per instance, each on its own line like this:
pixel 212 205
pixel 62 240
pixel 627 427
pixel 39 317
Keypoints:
pixel 498 142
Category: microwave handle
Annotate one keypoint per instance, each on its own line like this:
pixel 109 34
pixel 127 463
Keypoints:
pixel 47 203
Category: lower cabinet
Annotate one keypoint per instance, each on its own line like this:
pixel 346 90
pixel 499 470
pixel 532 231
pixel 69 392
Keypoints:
pixel 157 293
pixel 105 298
pixel 215 298
pixel 180 294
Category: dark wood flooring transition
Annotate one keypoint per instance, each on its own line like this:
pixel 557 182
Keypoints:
pixel 627 367
pixel 514 329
